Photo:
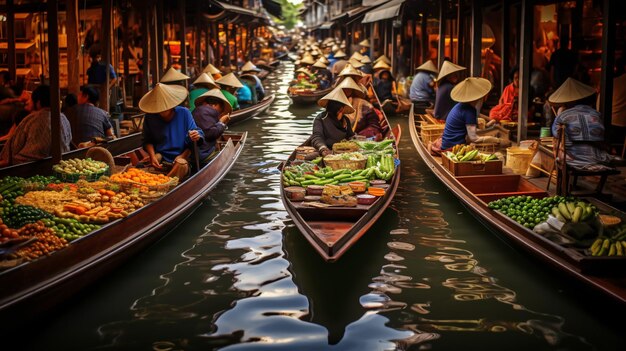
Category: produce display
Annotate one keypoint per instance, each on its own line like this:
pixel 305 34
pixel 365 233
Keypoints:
pixel 468 153
pixel 136 175
pixel 75 168
pixel 526 210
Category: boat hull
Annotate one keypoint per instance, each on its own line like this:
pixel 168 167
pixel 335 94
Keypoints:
pixel 308 98
pixel 252 111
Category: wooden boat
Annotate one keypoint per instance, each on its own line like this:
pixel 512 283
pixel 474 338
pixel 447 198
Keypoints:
pixel 400 106
pixel 30 289
pixel 602 274
pixel 249 112
pixel 332 231
pixel 307 97
pixel 284 56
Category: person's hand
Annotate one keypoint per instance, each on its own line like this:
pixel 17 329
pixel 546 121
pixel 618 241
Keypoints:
pixel 225 119
pixel 194 135
pixel 154 162
pixel 491 122
pixel 325 152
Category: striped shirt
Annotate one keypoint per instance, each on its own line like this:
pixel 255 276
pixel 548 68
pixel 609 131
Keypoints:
pixel 93 122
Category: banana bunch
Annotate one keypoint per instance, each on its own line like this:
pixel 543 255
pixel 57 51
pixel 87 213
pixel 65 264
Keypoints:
pixel 465 153
pixel 573 211
pixel 608 247
pixel 461 149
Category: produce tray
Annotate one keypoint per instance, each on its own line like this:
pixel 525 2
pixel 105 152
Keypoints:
pixel 74 177
pixel 472 167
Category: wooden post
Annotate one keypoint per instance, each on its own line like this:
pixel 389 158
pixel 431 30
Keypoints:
pixel 128 84
pixel 55 91
pixel 11 39
pixel 477 35
pixel 441 52
pixel 106 53
pixel 505 42
pixel 525 65
pixel 461 38
pixel 412 58
pixel 218 55
pixel 198 43
pixel 236 47
pixel 424 38
pixel 183 30
pixel 227 31
pixel 154 48
pixel 608 62
pixel 160 33
pixel 73 48
pixel 145 48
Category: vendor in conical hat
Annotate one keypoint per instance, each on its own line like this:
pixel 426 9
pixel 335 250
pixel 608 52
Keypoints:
pixel 383 58
pixel 331 125
pixel 172 76
pixel 201 85
pixel 250 70
pixel 384 83
pixel 447 78
pixel 213 71
pixel 323 75
pixel 168 129
pixel 584 127
pixel 356 56
pixel 463 118
pixel 422 91
pixel 364 119
pixel 364 46
pixel 367 65
pixel 349 71
pixel 339 62
pixel 211 115
pixel 229 85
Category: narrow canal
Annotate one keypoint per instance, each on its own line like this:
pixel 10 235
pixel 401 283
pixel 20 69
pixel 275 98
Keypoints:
pixel 238 275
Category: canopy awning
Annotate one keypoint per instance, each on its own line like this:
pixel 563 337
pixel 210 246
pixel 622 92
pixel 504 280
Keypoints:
pixel 273 8
pixel 386 11
pixel 351 13
pixel 327 25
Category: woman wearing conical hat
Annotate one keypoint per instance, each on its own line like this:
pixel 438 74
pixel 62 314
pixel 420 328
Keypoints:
pixel 364 120
pixel 339 62
pixel 201 85
pixel 447 78
pixel 168 129
pixel 584 128
pixel 322 75
pixel 463 118
pixel 385 86
pixel 211 115
pixel 422 91
pixel 364 46
pixel 250 71
pixel 172 76
pixel 229 85
pixel 213 71
pixel 331 125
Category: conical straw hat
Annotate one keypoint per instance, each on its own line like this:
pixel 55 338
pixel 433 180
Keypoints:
pixel 470 89
pixel 162 98
pixel 428 66
pixel 383 58
pixel 365 43
pixel 366 59
pixel 350 71
pixel 249 66
pixel 173 75
pixel 210 69
pixel 334 48
pixel 215 93
pixel 319 64
pixel 448 68
pixel 229 80
pixel 357 56
pixel 571 90
pixel 338 95
pixel 324 60
pixel 349 83
pixel 382 65
pixel 307 60
pixel 206 79
pixel 303 70
pixel 340 54
pixel 355 63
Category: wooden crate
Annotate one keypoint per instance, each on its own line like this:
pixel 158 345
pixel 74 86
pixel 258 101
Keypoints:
pixel 494 187
pixel 431 132
pixel 472 167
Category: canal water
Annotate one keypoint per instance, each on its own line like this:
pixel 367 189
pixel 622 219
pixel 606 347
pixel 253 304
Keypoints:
pixel 237 275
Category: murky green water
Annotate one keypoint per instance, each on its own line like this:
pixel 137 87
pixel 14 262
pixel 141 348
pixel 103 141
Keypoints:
pixel 238 275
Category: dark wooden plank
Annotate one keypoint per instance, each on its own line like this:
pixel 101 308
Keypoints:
pixel 608 62
pixel 53 68
pixel 525 65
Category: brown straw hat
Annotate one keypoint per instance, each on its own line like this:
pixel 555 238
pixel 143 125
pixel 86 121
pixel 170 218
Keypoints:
pixel 319 64
pixel 571 90
pixel 349 70
pixel 173 75
pixel 357 56
pixel 307 60
pixel 383 58
pixel 366 59
pixel 162 98
pixel 229 80
pixel 215 94
pixel 365 43
pixel 355 63
pixel 470 89
pixel 324 60
pixel 340 54
pixel 210 69
pixel 206 79
pixel 428 66
pixel 338 95
pixel 382 65
pixel 349 83
pixel 249 66
pixel 448 68
pixel 304 70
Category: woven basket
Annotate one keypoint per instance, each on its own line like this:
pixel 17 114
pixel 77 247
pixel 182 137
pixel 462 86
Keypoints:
pixel 431 132
pixel 74 177
pixel 160 189
pixel 346 164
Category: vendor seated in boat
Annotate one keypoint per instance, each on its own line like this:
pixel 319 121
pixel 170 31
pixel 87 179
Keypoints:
pixel 463 118
pixel 385 86
pixel 213 71
pixel 250 70
pixel 365 120
pixel 212 114
pixel 422 91
pixel 506 109
pixel 446 80
pixel 229 85
pixel 332 125
pixel 201 85
pixel 584 128
pixel 174 77
pixel 322 74
pixel 31 140
pixel 169 130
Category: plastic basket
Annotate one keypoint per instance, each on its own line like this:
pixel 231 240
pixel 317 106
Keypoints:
pixel 431 132
pixel 352 165
pixel 518 159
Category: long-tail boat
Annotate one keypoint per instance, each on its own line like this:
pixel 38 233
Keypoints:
pixel 246 113
pixel 307 97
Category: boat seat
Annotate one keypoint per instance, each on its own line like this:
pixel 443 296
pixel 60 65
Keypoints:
pixel 565 172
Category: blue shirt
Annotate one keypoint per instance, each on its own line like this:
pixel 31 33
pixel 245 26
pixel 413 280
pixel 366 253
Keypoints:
pixel 421 89
pixel 455 131
pixel 92 122
pixel 97 73
pixel 244 94
pixel 443 101
pixel 170 139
